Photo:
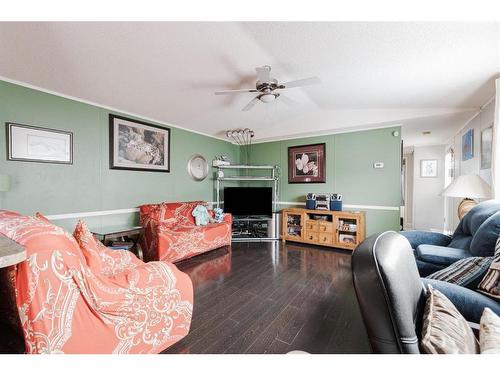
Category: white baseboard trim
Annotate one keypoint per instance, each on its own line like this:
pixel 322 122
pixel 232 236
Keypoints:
pixel 291 203
pixel 77 215
pixel 365 207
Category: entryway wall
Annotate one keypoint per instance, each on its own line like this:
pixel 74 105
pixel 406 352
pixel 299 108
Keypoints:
pixel 481 121
pixel 408 170
pixel 428 204
pixel 431 211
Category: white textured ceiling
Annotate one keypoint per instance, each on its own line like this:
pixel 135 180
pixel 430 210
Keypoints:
pixel 425 76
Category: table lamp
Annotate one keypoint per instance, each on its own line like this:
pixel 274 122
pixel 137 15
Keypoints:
pixel 468 187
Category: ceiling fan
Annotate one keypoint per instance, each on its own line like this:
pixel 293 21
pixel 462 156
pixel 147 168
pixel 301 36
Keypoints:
pixel 266 87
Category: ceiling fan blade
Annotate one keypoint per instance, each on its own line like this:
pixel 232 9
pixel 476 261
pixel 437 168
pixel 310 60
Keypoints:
pixel 302 82
pixel 263 73
pixel 289 102
pixel 227 92
pixel 250 105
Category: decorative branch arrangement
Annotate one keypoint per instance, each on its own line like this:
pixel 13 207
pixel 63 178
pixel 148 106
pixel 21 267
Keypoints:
pixel 243 138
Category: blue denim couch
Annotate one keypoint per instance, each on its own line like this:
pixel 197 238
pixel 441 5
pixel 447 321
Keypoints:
pixel 475 235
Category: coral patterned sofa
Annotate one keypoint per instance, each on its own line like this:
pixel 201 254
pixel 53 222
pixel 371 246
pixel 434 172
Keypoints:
pixel 74 295
pixel 172 235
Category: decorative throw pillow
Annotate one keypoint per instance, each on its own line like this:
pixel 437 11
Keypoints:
pixel 489 332
pixel 445 330
pixel 466 272
pixel 490 285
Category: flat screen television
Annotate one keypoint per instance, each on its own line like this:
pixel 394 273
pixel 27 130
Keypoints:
pixel 248 201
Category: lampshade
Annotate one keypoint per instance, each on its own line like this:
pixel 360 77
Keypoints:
pixel 4 182
pixel 468 186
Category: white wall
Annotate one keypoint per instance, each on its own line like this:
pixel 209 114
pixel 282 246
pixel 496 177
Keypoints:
pixel 428 204
pixel 409 171
pixel 484 119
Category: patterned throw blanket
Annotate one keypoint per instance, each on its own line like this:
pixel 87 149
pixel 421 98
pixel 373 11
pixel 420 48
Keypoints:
pixel 76 296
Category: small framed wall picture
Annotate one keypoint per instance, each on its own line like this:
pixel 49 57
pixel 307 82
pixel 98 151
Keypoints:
pixel 468 145
pixel 486 147
pixel 36 144
pixel 429 168
pixel 137 145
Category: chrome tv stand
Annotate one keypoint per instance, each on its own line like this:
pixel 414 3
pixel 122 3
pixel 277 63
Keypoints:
pixel 252 228
pixel 256 228
pixel 273 176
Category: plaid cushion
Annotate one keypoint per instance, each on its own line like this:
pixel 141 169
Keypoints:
pixel 490 285
pixel 466 272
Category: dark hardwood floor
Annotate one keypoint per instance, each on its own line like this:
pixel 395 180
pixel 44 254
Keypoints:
pixel 270 297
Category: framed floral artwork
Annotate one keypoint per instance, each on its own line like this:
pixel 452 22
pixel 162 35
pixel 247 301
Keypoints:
pixel 137 145
pixel 306 164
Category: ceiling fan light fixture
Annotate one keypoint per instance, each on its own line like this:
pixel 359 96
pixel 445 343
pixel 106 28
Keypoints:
pixel 268 98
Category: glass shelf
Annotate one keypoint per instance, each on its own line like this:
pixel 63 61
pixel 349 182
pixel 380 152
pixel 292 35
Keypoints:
pixel 245 178
pixel 245 166
pixel 272 174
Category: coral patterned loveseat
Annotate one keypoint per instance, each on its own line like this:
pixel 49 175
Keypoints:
pixel 74 295
pixel 172 235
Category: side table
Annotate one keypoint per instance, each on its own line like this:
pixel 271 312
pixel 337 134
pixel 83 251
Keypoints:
pixel 12 337
pixel 121 233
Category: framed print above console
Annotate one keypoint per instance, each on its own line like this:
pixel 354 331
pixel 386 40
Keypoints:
pixel 137 145
pixel 36 144
pixel 306 164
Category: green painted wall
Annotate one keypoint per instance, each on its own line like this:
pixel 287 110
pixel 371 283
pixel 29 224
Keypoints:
pixel 89 184
pixel 349 171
